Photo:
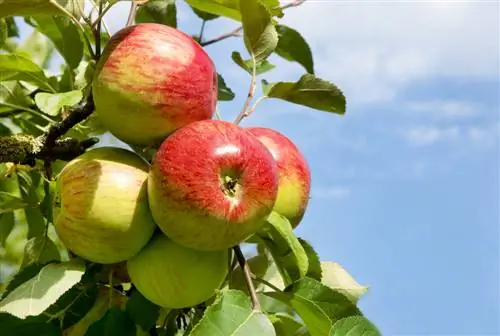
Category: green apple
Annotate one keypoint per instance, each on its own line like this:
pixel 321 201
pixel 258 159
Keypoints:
pixel 101 205
pixel 173 276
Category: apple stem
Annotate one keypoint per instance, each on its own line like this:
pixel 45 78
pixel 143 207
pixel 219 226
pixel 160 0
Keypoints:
pixel 248 277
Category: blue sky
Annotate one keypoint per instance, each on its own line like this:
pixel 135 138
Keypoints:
pixel 405 188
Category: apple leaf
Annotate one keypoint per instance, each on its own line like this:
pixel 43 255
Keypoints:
pixel 23 275
pixel 17 67
pixel 246 65
pixel 285 324
pixel 318 306
pixel 259 33
pixel 224 93
pixel 309 91
pixel 114 322
pixel 287 251
pixel 65 36
pixel 227 8
pixel 52 103
pixel 314 271
pixel 4 31
pixel 9 202
pixel 37 294
pixel 37 48
pixel 12 325
pixel 10 8
pixel 293 47
pixel 40 249
pixel 337 278
pixel 142 311
pixel 6 226
pixel 258 264
pixel 158 11
pixel 354 325
pixel 95 312
pixel 243 319
pixel 204 15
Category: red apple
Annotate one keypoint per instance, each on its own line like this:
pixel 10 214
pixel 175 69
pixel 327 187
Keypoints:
pixel 211 185
pixel 294 174
pixel 151 80
pixel 101 209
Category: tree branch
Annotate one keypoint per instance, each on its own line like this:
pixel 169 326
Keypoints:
pixel 131 14
pixel 251 92
pixel 248 277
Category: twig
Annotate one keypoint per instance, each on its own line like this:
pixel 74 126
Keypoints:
pixel 236 31
pixel 202 29
pixel 248 277
pixel 267 283
pixel 131 14
pixel 97 32
pixel 251 91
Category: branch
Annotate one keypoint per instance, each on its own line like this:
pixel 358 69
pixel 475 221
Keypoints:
pixel 245 112
pixel 248 277
pixel 236 31
pixel 131 14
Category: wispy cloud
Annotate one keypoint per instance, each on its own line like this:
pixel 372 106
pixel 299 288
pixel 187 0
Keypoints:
pixel 445 108
pixel 428 135
pixel 477 135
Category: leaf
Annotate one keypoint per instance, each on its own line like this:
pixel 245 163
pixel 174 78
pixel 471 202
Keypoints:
pixel 158 11
pixel 65 36
pixel 224 93
pixel 38 293
pixel 309 91
pixel 293 47
pixel 285 325
pixel 227 8
pixel 258 265
pixel 232 314
pixel 23 275
pixel 114 322
pixel 40 249
pixel 142 311
pixel 318 306
pixel 12 325
pixel 288 254
pixel 246 65
pixel 16 67
pixel 40 7
pixel 314 271
pixel 37 48
pixel 259 33
pixel 4 31
pixel 52 103
pixel 204 15
pixel 354 325
pixel 337 278
pixel 6 226
pixel 10 202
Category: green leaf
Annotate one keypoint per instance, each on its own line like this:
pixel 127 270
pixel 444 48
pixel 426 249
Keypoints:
pixel 40 250
pixel 258 264
pixel 9 202
pixel 23 275
pixel 285 325
pixel 288 254
pixel 142 311
pixel 4 31
pixel 243 319
pixel 259 33
pixel 314 270
pixel 337 278
pixel 16 67
pixel 40 7
pixel 204 15
pixel 224 93
pixel 158 11
pixel 37 294
pixel 318 306
pixel 354 325
pixel 37 48
pixel 12 325
pixel 227 8
pixel 52 103
pixel 309 91
pixel 114 322
pixel 293 47
pixel 6 226
pixel 65 36
pixel 247 65
pixel 12 29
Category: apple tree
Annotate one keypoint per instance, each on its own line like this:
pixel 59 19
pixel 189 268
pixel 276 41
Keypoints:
pixel 190 230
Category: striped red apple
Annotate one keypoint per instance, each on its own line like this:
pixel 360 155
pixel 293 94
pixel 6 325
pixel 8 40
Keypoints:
pixel 151 80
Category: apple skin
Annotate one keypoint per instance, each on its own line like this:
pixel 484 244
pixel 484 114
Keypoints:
pixel 151 80
pixel 294 174
pixel 101 209
pixel 173 276
pixel 211 185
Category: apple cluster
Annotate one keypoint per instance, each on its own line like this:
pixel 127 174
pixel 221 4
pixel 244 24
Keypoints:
pixel 210 186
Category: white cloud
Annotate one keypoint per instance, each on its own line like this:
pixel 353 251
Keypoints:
pixel 445 108
pixel 373 49
pixel 331 192
pixel 482 136
pixel 427 135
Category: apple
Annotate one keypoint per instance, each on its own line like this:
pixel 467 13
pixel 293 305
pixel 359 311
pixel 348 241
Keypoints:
pixel 101 209
pixel 211 185
pixel 173 276
pixel 294 174
pixel 151 80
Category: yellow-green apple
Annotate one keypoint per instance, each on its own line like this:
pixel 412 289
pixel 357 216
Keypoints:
pixel 211 185
pixel 294 174
pixel 101 209
pixel 174 276
pixel 151 80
